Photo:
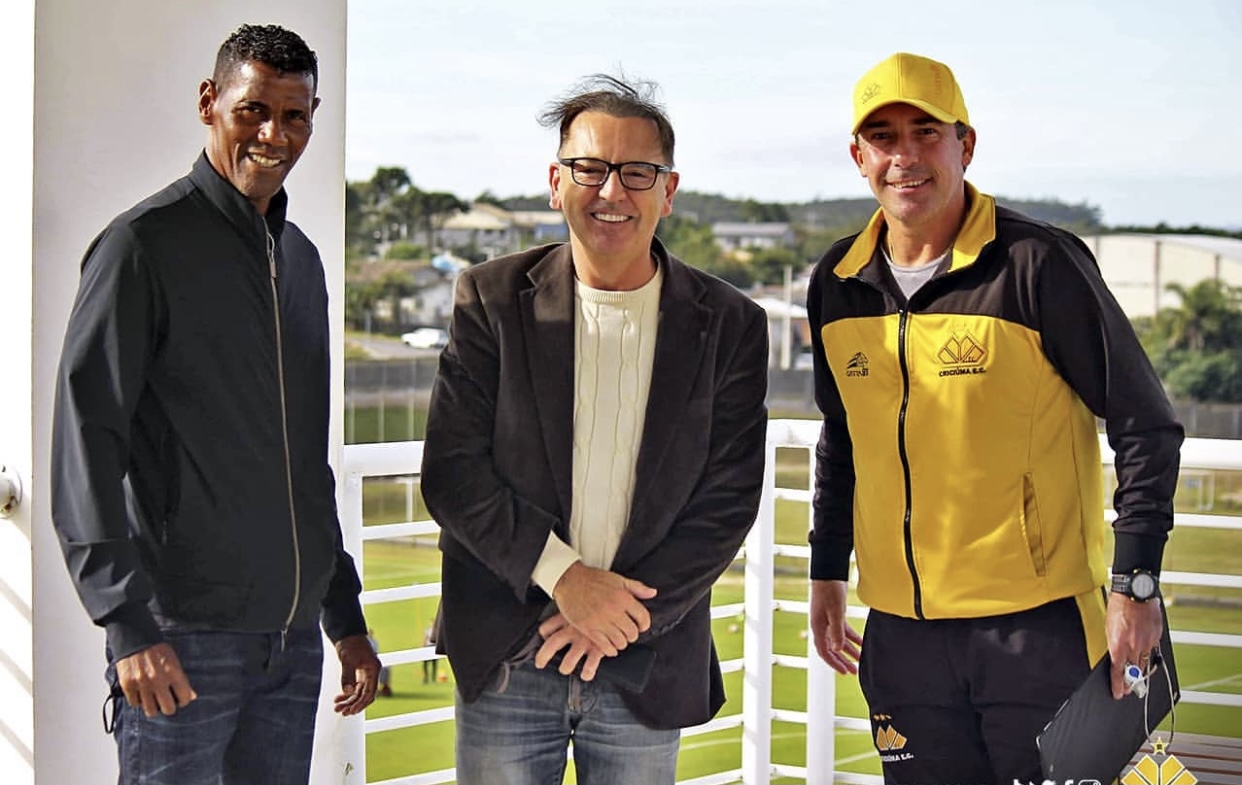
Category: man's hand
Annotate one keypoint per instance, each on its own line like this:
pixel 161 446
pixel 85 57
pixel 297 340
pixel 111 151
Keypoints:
pixel 558 633
pixel 603 606
pixel 1133 630
pixel 152 680
pixel 835 640
pixel 359 675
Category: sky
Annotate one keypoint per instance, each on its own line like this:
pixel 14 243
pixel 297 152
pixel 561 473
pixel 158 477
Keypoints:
pixel 1131 106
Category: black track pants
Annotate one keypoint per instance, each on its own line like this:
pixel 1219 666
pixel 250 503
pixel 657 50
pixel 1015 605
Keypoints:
pixel 960 701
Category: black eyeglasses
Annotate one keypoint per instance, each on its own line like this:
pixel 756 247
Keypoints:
pixel 635 175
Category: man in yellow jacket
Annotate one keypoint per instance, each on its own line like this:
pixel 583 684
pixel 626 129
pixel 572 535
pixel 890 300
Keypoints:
pixel 963 353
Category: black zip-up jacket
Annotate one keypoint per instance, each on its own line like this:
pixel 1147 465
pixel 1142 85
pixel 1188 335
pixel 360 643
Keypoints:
pixel 190 482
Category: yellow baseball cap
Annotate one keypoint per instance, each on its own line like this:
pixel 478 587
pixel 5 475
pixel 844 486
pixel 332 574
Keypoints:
pixel 919 81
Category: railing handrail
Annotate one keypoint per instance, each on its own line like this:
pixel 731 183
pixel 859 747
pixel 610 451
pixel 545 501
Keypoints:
pixel 397 459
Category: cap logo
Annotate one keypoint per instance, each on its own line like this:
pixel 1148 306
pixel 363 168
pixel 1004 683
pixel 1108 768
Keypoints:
pixel 872 91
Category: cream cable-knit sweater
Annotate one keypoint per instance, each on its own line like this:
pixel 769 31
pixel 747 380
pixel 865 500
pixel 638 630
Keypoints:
pixel 615 336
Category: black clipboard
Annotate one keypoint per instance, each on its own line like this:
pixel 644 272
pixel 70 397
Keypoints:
pixel 1092 736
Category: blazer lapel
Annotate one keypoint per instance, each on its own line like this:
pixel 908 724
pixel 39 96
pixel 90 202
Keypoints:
pixel 680 343
pixel 548 329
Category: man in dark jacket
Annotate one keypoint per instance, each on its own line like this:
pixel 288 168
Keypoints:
pixel 190 485
pixel 594 457
pixel 963 354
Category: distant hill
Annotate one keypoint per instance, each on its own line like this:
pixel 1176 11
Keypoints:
pixel 836 213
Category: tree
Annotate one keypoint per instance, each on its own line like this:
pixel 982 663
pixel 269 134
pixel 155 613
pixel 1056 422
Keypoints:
pixel 1208 316
pixel 360 300
pixel 768 264
pixel 436 208
pixel 487 197
pixel 373 209
pixel 1197 347
pixel 693 243
pixel 388 181
pixel 764 212
pixel 406 251
pixel 359 236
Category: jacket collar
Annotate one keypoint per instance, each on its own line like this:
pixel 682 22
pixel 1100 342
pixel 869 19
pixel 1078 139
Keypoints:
pixel 236 207
pixel 977 231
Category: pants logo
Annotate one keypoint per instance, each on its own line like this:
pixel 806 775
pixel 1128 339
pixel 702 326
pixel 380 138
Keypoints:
pixel 888 741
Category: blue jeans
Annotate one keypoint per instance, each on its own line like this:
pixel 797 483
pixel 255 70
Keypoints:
pixel 520 736
pixel 252 724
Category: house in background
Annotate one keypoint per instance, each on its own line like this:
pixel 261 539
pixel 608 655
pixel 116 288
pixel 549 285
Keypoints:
pixel 493 231
pixel 484 227
pixel 743 236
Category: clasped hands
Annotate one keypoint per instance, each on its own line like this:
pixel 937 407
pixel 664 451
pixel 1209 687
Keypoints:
pixel 599 613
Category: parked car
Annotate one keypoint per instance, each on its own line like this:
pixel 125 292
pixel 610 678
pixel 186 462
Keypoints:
pixel 426 338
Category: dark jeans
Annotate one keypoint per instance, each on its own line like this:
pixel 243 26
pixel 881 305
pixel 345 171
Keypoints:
pixel 252 724
pixel 962 700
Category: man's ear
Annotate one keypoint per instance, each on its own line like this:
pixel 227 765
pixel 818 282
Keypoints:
pixel 554 182
pixel 670 188
pixel 856 155
pixel 968 147
pixel 207 93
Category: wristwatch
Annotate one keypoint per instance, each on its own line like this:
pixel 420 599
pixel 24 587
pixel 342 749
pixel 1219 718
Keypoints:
pixel 1139 585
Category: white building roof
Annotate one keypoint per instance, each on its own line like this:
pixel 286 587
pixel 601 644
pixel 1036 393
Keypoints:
pixel 778 308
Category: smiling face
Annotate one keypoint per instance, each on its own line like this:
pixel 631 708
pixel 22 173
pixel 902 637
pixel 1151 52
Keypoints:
pixel 916 167
pixel 610 226
pixel 259 121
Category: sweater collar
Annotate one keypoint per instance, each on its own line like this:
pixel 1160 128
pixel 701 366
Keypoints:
pixel 236 207
pixel 977 231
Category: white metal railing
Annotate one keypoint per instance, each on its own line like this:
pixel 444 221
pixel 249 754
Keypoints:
pixel 402 459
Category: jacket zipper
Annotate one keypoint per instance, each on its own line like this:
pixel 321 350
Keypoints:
pixel 904 315
pixel 284 429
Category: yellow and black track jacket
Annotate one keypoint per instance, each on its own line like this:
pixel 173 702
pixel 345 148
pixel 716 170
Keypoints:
pixel 959 453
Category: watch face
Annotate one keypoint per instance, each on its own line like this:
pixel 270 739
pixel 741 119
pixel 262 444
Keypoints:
pixel 1143 586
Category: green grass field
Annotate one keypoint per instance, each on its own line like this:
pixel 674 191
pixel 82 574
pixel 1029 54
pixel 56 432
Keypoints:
pixel 401 625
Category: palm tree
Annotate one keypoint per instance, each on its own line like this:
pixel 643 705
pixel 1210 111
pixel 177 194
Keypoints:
pixel 1208 318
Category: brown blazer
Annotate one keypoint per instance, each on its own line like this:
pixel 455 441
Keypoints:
pixel 497 466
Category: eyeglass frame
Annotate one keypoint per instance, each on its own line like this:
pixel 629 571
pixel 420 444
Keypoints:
pixel 609 169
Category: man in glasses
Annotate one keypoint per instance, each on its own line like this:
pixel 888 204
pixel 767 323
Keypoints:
pixel 963 354
pixel 594 457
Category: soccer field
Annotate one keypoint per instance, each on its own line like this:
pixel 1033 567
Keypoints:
pixel 401 625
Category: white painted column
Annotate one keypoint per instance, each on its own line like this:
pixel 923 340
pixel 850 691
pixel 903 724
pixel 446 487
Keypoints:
pixel 115 86
pixel 16 448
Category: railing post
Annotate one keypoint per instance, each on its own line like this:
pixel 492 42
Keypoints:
pixel 821 712
pixel 757 638
pixel 340 742
pixel 821 691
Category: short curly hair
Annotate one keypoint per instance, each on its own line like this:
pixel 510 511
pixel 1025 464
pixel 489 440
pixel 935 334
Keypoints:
pixel 271 45
pixel 616 97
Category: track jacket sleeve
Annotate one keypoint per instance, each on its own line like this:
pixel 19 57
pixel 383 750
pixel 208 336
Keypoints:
pixel 111 338
pixel 721 509
pixel 464 492
pixel 1092 344
pixel 832 505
